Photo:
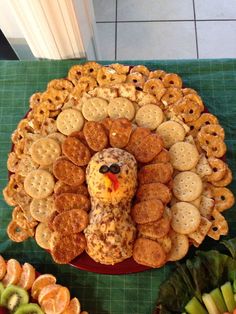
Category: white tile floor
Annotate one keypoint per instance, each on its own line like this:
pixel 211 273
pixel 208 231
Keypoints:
pixel 166 29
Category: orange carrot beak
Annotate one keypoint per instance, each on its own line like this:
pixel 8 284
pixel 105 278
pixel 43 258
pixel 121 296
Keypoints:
pixel 113 179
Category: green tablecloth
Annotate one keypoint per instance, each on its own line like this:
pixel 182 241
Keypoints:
pixel 215 80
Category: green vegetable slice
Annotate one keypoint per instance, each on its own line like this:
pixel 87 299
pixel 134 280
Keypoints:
pixel 195 307
pixel 228 296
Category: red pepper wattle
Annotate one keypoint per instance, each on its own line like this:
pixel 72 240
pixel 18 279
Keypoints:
pixel 113 179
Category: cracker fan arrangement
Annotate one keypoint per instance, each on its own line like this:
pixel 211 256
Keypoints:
pixel 24 291
pixel 119 162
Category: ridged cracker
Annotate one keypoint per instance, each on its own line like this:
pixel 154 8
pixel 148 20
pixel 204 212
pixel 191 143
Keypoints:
pixel 121 107
pixel 171 132
pixel 67 201
pixel 39 184
pixel 68 173
pixel 45 151
pixel 187 186
pixel 149 116
pixel 185 218
pixel 69 120
pixel 183 156
pixel 95 109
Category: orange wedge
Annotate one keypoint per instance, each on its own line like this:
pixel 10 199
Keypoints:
pixel 41 282
pixel 73 307
pixel 58 303
pixel 27 276
pixel 48 292
pixel 13 274
pixel 3 267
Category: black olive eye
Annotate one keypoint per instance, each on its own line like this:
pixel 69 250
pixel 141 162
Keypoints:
pixel 115 168
pixel 104 169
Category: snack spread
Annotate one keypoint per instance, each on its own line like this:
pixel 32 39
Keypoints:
pixel 119 162
pixel 23 291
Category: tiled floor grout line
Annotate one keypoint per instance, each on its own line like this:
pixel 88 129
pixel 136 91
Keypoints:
pixel 195 26
pixel 160 21
pixel 116 31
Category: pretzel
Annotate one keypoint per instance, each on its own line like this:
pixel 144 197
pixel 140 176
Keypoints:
pixel 219 226
pixel 154 87
pixel 75 73
pixel 218 169
pixel 61 84
pixel 214 146
pixel 35 100
pixel 213 129
pixel 89 81
pixel 204 119
pixel 16 233
pixel 172 80
pixel 226 180
pixel 91 69
pixel 158 74
pixel 171 96
pixel 136 78
pixel 188 110
pixel 224 198
pixel 140 69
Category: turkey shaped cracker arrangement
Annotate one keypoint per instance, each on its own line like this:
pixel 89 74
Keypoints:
pixel 119 162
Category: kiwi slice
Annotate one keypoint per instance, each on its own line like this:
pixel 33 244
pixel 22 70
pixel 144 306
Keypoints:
pixel 1 290
pixel 30 308
pixel 12 297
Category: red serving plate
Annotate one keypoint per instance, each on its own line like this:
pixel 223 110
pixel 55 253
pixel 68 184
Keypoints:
pixel 128 266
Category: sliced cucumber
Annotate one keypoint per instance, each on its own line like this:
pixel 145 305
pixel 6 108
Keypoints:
pixel 228 296
pixel 210 304
pixel 218 300
pixel 195 307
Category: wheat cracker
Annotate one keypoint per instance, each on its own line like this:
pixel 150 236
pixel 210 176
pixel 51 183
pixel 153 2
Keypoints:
pixel 187 186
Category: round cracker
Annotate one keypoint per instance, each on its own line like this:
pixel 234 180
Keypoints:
pixel 42 209
pixel 171 132
pixel 45 151
pixel 179 247
pixel 69 120
pixel 185 218
pixel 187 186
pixel 121 107
pixel 39 184
pixel 95 109
pixel 149 116
pixel 183 156
pixel 43 235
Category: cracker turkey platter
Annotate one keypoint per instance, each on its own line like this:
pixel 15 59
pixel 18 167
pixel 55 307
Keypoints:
pixel 118 169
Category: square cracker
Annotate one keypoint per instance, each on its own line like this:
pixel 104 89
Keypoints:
pixel 199 235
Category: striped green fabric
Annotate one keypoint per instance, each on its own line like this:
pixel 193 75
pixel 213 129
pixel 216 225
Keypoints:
pixel 215 81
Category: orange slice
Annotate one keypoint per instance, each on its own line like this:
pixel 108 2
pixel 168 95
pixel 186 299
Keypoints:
pixel 41 282
pixel 58 303
pixel 13 274
pixel 27 276
pixel 73 307
pixel 3 267
pixel 48 292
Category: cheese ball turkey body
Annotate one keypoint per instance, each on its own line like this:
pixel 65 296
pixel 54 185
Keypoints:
pixel 111 176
